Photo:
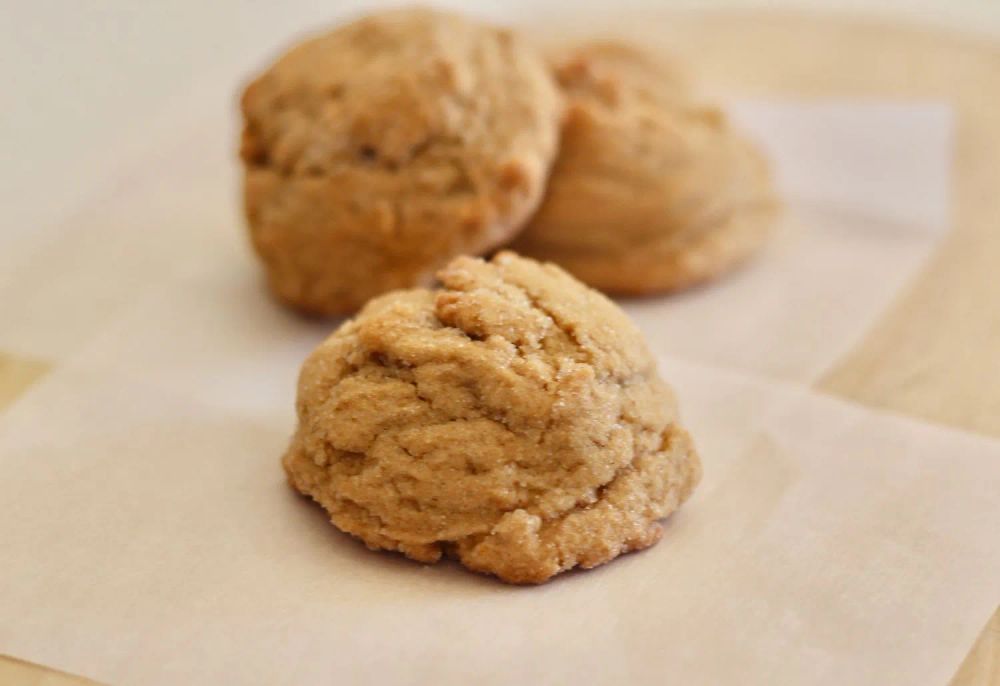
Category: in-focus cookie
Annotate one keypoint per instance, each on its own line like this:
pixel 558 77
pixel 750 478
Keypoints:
pixel 512 418
pixel 376 153
pixel 651 191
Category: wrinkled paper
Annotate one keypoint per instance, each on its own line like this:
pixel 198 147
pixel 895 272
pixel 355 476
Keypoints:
pixel 150 537
pixel 862 218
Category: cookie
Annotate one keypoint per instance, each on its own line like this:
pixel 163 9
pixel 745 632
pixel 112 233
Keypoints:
pixel 512 418
pixel 377 152
pixel 652 191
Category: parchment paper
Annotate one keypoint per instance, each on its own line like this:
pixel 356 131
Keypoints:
pixel 866 185
pixel 150 537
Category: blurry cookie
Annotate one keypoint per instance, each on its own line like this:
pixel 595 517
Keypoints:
pixel 512 418
pixel 651 191
pixel 378 151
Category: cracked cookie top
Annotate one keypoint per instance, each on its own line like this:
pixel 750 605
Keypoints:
pixel 513 418
pixel 377 152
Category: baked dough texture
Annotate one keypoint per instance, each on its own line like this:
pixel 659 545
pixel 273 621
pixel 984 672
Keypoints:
pixel 652 191
pixel 512 418
pixel 377 152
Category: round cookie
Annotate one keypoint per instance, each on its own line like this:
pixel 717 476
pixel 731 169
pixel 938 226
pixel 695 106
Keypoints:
pixel 651 192
pixel 379 151
pixel 513 419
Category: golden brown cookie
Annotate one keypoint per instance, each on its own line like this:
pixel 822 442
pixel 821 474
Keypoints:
pixel 651 192
pixel 379 151
pixel 513 418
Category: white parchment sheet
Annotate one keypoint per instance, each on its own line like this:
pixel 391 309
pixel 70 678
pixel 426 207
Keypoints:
pixel 867 190
pixel 150 539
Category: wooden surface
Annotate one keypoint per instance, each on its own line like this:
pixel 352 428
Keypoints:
pixel 936 353
pixel 16 374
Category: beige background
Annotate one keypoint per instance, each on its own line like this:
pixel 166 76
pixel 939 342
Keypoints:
pixel 934 355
